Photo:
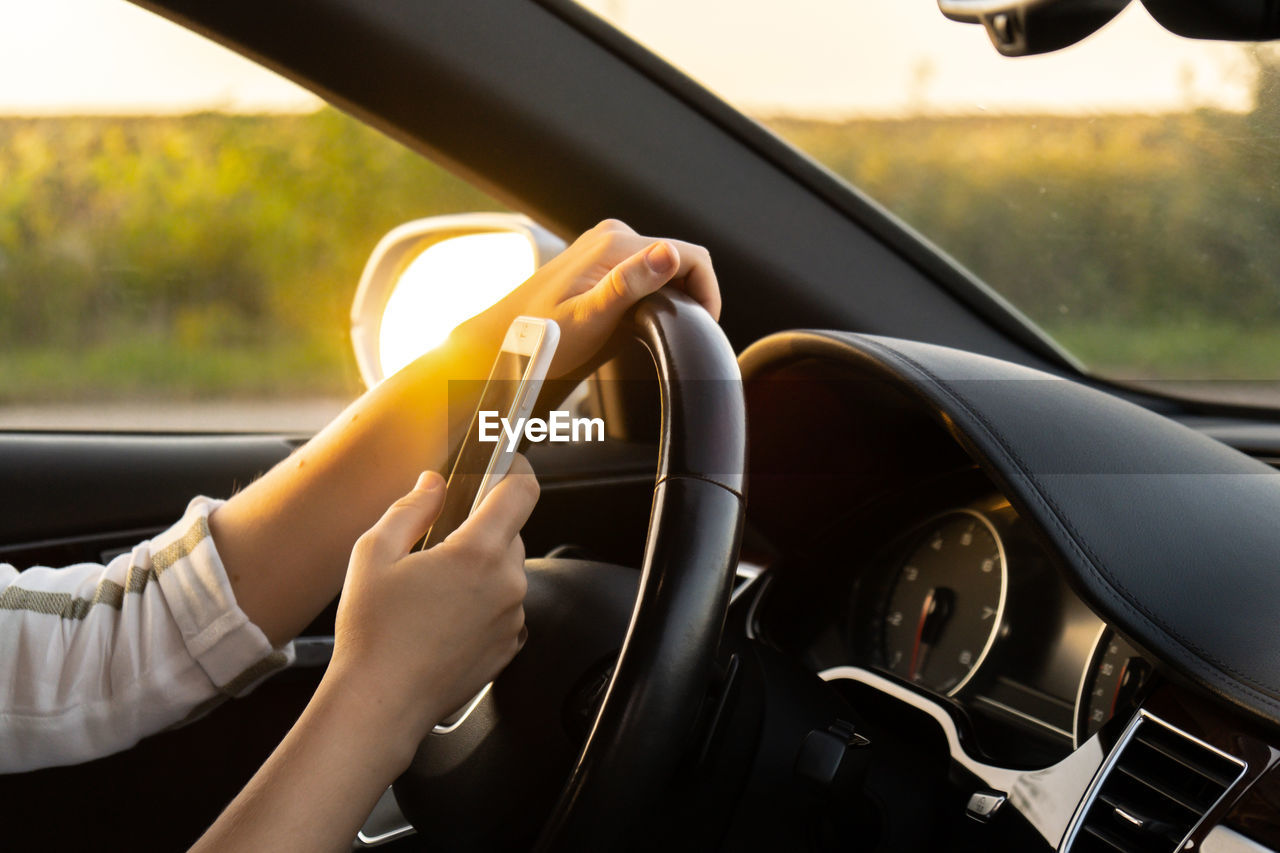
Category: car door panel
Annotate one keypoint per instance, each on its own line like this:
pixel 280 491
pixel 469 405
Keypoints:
pixel 75 497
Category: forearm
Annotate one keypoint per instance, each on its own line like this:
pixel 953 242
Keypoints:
pixel 99 657
pixel 285 539
pixel 324 778
pixel 417 634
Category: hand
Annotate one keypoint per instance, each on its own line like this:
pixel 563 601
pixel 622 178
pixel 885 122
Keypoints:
pixel 588 286
pixel 420 633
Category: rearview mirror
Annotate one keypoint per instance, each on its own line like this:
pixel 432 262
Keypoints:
pixel 427 276
pixel 1026 27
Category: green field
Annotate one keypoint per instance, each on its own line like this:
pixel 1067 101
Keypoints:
pixel 202 255
pixel 1147 245
pixel 215 255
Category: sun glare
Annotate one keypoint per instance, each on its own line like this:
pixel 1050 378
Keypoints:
pixel 450 282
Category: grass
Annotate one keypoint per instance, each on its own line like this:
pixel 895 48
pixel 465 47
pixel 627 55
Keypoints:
pixel 153 368
pixel 1188 350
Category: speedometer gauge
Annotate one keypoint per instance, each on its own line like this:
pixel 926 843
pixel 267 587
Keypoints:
pixel 947 602
pixel 1111 685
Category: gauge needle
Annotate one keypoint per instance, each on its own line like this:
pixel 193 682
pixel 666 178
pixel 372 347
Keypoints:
pixel 933 615
pixel 1120 682
pixel 1132 676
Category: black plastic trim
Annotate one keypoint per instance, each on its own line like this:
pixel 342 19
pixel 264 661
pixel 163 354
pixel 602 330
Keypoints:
pixel 57 485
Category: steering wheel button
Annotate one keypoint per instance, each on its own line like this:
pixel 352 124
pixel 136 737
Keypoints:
pixel 983 805
pixel 820 756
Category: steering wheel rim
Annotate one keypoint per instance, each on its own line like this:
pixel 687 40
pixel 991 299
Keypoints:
pixel 666 666
pixel 695 529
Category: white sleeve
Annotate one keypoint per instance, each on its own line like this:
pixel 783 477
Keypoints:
pixel 94 658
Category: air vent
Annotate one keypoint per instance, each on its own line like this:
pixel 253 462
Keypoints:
pixel 1153 792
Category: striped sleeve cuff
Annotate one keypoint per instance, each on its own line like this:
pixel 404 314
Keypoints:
pixel 233 652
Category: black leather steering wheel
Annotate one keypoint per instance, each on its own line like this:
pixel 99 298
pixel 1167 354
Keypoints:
pixel 495 779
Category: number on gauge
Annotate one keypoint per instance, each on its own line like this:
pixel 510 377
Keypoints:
pixel 1114 684
pixel 946 604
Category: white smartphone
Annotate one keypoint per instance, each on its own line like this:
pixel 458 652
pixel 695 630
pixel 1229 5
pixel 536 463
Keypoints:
pixel 510 393
pixel 508 398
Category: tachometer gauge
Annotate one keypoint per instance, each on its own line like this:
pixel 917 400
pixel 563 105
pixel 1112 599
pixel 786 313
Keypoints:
pixel 947 602
pixel 1111 685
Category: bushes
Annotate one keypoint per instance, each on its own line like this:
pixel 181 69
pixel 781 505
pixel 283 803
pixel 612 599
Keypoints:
pixel 1147 244
pixel 169 255
pixel 219 234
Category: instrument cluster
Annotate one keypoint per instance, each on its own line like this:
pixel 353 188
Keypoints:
pixel 954 596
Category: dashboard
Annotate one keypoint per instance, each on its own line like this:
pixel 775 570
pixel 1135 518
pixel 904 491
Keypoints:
pixel 974 556
pixel 946 591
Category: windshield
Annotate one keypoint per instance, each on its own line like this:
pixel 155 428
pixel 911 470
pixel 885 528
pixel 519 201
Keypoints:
pixel 1121 193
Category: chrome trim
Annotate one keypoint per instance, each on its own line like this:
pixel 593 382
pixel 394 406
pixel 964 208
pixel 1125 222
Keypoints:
pixel 363 840
pixel 388 802
pixel 461 716
pixel 1047 798
pixel 755 605
pixel 1084 678
pixel 1086 802
pixel 1141 718
pixel 747 573
pixel 1124 815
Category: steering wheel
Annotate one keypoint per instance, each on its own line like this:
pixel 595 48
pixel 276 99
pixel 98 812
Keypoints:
pixel 564 709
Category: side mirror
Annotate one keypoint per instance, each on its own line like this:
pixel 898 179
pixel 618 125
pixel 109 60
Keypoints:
pixel 427 276
pixel 1026 27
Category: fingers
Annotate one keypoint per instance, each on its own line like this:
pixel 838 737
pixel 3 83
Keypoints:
pixel 503 511
pixel 694 273
pixel 641 274
pixel 697 277
pixel 645 266
pixel 406 520
pixel 606 227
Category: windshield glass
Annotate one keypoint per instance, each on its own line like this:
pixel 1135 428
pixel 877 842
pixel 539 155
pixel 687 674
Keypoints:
pixel 1121 193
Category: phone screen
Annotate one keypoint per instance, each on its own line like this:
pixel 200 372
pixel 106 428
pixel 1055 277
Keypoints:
pixel 475 457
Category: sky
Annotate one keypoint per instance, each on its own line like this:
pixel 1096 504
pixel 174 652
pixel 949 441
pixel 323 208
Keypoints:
pixel 109 56
pixel 889 57
pixel 828 58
